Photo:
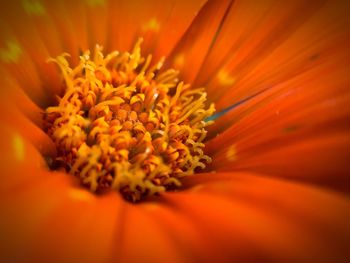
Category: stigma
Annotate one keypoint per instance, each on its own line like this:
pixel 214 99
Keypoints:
pixel 125 124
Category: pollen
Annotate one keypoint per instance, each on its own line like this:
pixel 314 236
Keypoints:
pixel 231 153
pixel 125 124
pixel 225 79
pixel 151 25
pixel 18 147
pixel 179 60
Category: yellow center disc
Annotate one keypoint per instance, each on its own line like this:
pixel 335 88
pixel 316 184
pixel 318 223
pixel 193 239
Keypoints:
pixel 123 124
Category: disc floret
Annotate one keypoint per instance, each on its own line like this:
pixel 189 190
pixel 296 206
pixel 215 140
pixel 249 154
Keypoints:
pixel 123 124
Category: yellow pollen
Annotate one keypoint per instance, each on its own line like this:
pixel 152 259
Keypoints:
pixel 179 60
pixel 225 79
pixel 122 123
pixel 79 195
pixel 18 147
pixel 231 153
pixel 151 25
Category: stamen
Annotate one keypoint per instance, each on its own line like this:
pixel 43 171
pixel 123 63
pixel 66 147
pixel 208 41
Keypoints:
pixel 122 125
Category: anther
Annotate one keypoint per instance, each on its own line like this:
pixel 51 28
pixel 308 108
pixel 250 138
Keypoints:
pixel 122 124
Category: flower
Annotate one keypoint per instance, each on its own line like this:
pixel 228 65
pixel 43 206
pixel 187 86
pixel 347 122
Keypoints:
pixel 277 188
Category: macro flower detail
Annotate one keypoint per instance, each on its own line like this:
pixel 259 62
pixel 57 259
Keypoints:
pixel 107 154
pixel 121 124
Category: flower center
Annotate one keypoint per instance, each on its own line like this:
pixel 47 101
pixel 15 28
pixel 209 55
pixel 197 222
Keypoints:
pixel 122 124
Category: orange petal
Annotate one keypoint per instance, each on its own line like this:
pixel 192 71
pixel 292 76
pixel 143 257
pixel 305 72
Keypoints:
pixel 19 123
pixel 307 115
pixel 320 159
pixel 144 240
pixel 190 52
pixel 191 242
pixel 82 229
pixel 20 161
pixel 24 209
pixel 160 23
pixel 26 45
pixel 285 41
pixel 252 31
pixel 259 219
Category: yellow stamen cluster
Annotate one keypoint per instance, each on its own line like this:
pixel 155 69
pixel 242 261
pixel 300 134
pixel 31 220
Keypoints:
pixel 126 125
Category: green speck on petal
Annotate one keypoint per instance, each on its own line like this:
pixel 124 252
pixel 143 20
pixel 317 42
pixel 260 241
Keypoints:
pixel 93 3
pixel 292 128
pixel 33 7
pixel 11 53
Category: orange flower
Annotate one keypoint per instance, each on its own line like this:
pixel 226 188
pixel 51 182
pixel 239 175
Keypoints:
pixel 277 188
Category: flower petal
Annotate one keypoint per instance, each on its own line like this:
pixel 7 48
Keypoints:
pixel 261 219
pixel 320 160
pixel 298 130
pixel 24 208
pixel 251 32
pixel 27 44
pixel 189 241
pixel 143 234
pixel 190 52
pixel 82 229
pixel 15 121
pixel 280 43
pixel 160 23
pixel 20 161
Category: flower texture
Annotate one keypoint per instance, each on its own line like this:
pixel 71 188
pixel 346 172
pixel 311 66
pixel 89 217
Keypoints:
pixel 273 178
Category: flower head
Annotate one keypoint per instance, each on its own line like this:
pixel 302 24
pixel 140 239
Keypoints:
pixel 122 125
pixel 277 186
